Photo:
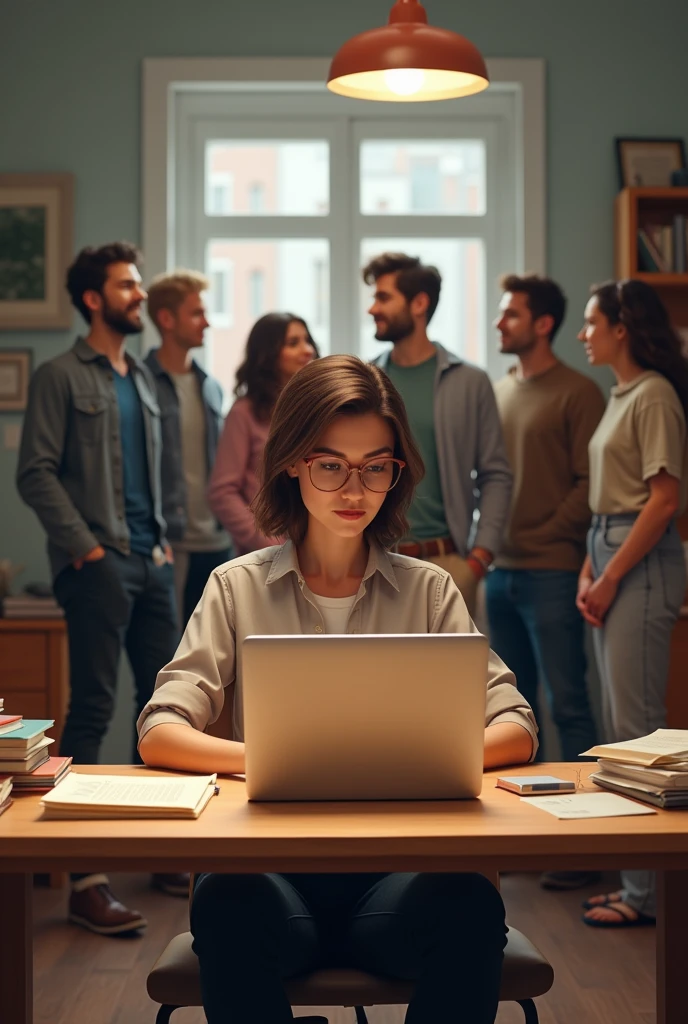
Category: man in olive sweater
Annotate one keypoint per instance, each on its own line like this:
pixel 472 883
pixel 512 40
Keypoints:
pixel 549 413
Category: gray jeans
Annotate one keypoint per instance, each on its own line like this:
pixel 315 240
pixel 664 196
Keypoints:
pixel 632 650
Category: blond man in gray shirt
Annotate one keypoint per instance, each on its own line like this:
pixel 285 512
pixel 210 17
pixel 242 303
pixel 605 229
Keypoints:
pixel 191 413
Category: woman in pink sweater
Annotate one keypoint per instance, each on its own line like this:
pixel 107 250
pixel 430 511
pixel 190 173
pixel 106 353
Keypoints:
pixel 278 346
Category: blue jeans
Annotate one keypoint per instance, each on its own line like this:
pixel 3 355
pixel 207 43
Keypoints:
pixel 120 601
pixel 632 650
pixel 445 932
pixel 537 630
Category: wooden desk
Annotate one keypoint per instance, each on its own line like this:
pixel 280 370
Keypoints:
pixel 497 832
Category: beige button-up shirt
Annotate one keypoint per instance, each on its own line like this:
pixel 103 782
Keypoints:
pixel 264 592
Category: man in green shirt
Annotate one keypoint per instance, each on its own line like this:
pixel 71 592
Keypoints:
pixel 454 420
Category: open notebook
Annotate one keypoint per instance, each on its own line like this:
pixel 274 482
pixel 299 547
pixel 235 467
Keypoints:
pixel 127 796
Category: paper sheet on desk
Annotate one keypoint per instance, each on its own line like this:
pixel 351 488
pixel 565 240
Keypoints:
pixel 587 805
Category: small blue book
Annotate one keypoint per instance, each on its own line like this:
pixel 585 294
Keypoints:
pixel 27 736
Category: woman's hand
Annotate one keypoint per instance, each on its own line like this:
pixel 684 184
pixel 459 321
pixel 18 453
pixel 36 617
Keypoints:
pixel 584 584
pixel 599 599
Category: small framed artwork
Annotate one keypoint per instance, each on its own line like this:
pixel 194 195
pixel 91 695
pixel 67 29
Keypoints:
pixel 36 215
pixel 15 374
pixel 649 161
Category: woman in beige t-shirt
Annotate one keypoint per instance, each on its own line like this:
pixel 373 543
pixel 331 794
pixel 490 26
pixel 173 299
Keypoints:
pixel 339 473
pixel 633 581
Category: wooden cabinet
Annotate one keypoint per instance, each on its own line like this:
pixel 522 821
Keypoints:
pixel 635 208
pixel 34 678
pixel 34 674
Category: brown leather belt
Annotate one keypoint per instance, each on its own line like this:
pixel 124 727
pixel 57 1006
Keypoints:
pixel 427 548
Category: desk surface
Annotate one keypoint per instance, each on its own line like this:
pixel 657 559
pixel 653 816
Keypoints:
pixel 498 831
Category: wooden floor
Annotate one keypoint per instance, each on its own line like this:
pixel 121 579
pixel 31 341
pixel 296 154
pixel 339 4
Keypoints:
pixel 602 977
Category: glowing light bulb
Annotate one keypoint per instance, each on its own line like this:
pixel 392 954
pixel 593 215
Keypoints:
pixel 404 81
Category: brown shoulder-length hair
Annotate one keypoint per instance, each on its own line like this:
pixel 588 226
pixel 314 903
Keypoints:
pixel 652 341
pixel 311 400
pixel 258 376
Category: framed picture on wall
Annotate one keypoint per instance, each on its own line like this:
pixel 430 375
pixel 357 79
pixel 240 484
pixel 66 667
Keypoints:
pixel 36 226
pixel 15 374
pixel 643 162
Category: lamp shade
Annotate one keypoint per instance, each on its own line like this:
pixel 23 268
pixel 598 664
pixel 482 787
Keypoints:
pixel 407 60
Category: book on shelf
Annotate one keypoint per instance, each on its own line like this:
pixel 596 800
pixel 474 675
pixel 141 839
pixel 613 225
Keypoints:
pixel 679 243
pixel 663 747
pixel 649 257
pixel 29 733
pixel 9 723
pixel 129 796
pixel 43 778
pixel 5 805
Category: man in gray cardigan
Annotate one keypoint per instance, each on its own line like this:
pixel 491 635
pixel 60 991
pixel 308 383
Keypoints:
pixel 455 422
pixel 89 467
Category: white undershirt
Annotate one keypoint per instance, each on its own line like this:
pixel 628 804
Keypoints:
pixel 335 611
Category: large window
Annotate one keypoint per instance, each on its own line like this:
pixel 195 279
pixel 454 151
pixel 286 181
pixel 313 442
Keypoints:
pixel 295 190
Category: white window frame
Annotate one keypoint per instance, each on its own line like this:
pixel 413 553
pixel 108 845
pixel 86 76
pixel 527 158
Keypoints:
pixel 224 179
pixel 165 81
pixel 223 265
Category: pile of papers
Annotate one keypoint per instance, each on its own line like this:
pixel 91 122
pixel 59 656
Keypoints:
pixel 653 768
pixel 129 796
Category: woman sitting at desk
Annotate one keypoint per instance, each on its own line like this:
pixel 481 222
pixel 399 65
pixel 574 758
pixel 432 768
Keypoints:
pixel 339 472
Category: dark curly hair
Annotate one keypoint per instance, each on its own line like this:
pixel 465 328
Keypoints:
pixel 311 400
pixel 88 272
pixel 653 342
pixel 258 376
pixel 412 277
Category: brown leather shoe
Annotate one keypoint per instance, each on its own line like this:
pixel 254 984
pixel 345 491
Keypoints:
pixel 93 905
pixel 173 885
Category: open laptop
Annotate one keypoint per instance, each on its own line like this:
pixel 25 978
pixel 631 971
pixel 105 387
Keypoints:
pixel 364 717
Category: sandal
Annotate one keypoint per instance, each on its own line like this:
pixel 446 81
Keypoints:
pixel 624 920
pixel 602 901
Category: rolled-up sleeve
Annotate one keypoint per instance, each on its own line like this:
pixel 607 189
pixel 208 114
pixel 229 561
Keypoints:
pixel 190 689
pixel 504 702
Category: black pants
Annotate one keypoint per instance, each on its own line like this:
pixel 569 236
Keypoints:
pixel 119 601
pixel 199 567
pixel 445 932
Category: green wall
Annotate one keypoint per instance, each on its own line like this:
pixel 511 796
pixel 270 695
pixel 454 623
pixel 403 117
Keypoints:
pixel 70 75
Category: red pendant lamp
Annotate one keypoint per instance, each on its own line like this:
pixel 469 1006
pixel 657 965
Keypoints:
pixel 407 60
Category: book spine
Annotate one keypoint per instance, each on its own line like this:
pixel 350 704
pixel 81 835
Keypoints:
pixel 679 240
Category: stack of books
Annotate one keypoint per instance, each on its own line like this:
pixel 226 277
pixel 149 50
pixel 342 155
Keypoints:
pixel 26 748
pixel 663 247
pixel 27 606
pixel 653 769
pixel 9 723
pixel 5 791
pixel 41 779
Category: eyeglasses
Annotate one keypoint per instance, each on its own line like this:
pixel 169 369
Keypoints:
pixel 331 474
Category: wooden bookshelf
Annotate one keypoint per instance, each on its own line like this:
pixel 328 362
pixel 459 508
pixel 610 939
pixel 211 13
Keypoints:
pixel 634 208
